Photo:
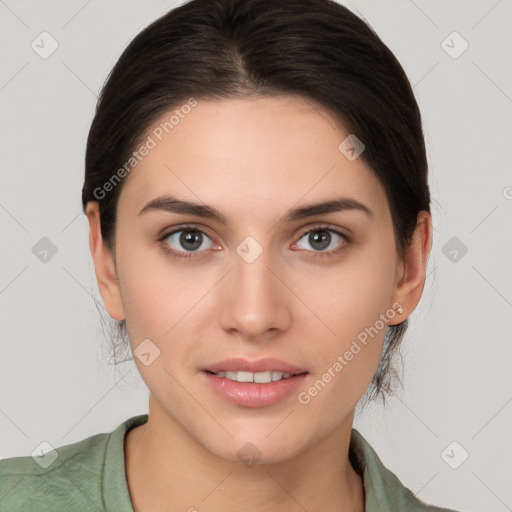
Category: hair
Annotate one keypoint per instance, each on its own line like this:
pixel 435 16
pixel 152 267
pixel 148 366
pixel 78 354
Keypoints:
pixel 221 49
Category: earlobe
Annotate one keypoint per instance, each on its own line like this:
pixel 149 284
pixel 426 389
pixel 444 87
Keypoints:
pixel 106 277
pixel 411 277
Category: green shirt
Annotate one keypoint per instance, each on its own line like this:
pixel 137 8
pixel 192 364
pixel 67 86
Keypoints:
pixel 89 475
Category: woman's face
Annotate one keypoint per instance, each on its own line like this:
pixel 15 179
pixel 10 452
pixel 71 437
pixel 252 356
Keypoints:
pixel 255 285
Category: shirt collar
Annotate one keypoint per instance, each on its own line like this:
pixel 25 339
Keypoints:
pixel 383 490
pixel 116 496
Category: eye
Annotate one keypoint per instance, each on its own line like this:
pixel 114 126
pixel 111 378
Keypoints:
pixel 323 237
pixel 185 241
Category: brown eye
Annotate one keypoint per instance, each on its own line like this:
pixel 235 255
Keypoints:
pixel 190 240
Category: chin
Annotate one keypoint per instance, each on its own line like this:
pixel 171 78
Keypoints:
pixel 258 447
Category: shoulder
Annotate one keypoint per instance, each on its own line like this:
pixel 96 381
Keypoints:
pixel 384 491
pixel 62 476
pixel 70 477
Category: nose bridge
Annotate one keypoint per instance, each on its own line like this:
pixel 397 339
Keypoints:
pixel 257 300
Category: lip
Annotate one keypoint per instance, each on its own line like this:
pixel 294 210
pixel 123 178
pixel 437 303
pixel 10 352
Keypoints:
pixel 252 394
pixel 262 365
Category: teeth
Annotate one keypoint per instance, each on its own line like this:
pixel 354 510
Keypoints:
pixel 258 377
pixel 244 376
pixel 279 376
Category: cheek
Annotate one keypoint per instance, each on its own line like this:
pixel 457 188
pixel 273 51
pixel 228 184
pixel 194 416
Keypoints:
pixel 353 305
pixel 347 360
pixel 166 303
pixel 354 296
pixel 148 312
pixel 156 292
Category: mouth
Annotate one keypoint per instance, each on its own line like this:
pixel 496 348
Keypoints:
pixel 255 377
pixel 261 366
pixel 253 383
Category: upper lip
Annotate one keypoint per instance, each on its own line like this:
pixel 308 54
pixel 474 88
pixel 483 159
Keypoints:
pixel 261 365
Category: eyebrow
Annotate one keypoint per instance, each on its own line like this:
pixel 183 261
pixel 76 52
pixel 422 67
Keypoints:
pixel 172 204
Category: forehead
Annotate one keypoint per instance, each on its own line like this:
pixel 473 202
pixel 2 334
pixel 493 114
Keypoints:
pixel 252 152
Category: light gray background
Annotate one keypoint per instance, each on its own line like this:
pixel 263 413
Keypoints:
pixel 55 382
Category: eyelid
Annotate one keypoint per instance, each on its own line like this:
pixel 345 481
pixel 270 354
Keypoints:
pixel 327 227
pixel 166 234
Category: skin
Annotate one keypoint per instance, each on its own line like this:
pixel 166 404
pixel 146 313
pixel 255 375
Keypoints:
pixel 253 159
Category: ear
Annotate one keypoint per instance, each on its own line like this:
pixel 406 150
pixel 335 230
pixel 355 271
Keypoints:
pixel 108 284
pixel 411 277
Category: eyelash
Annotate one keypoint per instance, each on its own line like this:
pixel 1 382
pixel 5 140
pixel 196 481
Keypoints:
pixel 188 255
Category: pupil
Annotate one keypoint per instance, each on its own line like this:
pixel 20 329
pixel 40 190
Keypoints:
pixel 322 238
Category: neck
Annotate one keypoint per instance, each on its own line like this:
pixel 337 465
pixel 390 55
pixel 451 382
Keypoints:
pixel 167 469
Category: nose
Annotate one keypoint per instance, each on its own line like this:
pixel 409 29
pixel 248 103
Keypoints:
pixel 256 301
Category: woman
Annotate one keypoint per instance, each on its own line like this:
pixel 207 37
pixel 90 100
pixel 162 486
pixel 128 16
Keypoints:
pixel 257 194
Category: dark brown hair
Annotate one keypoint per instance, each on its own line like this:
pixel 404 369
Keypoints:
pixel 316 49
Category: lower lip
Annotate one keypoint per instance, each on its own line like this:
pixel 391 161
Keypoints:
pixel 251 394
